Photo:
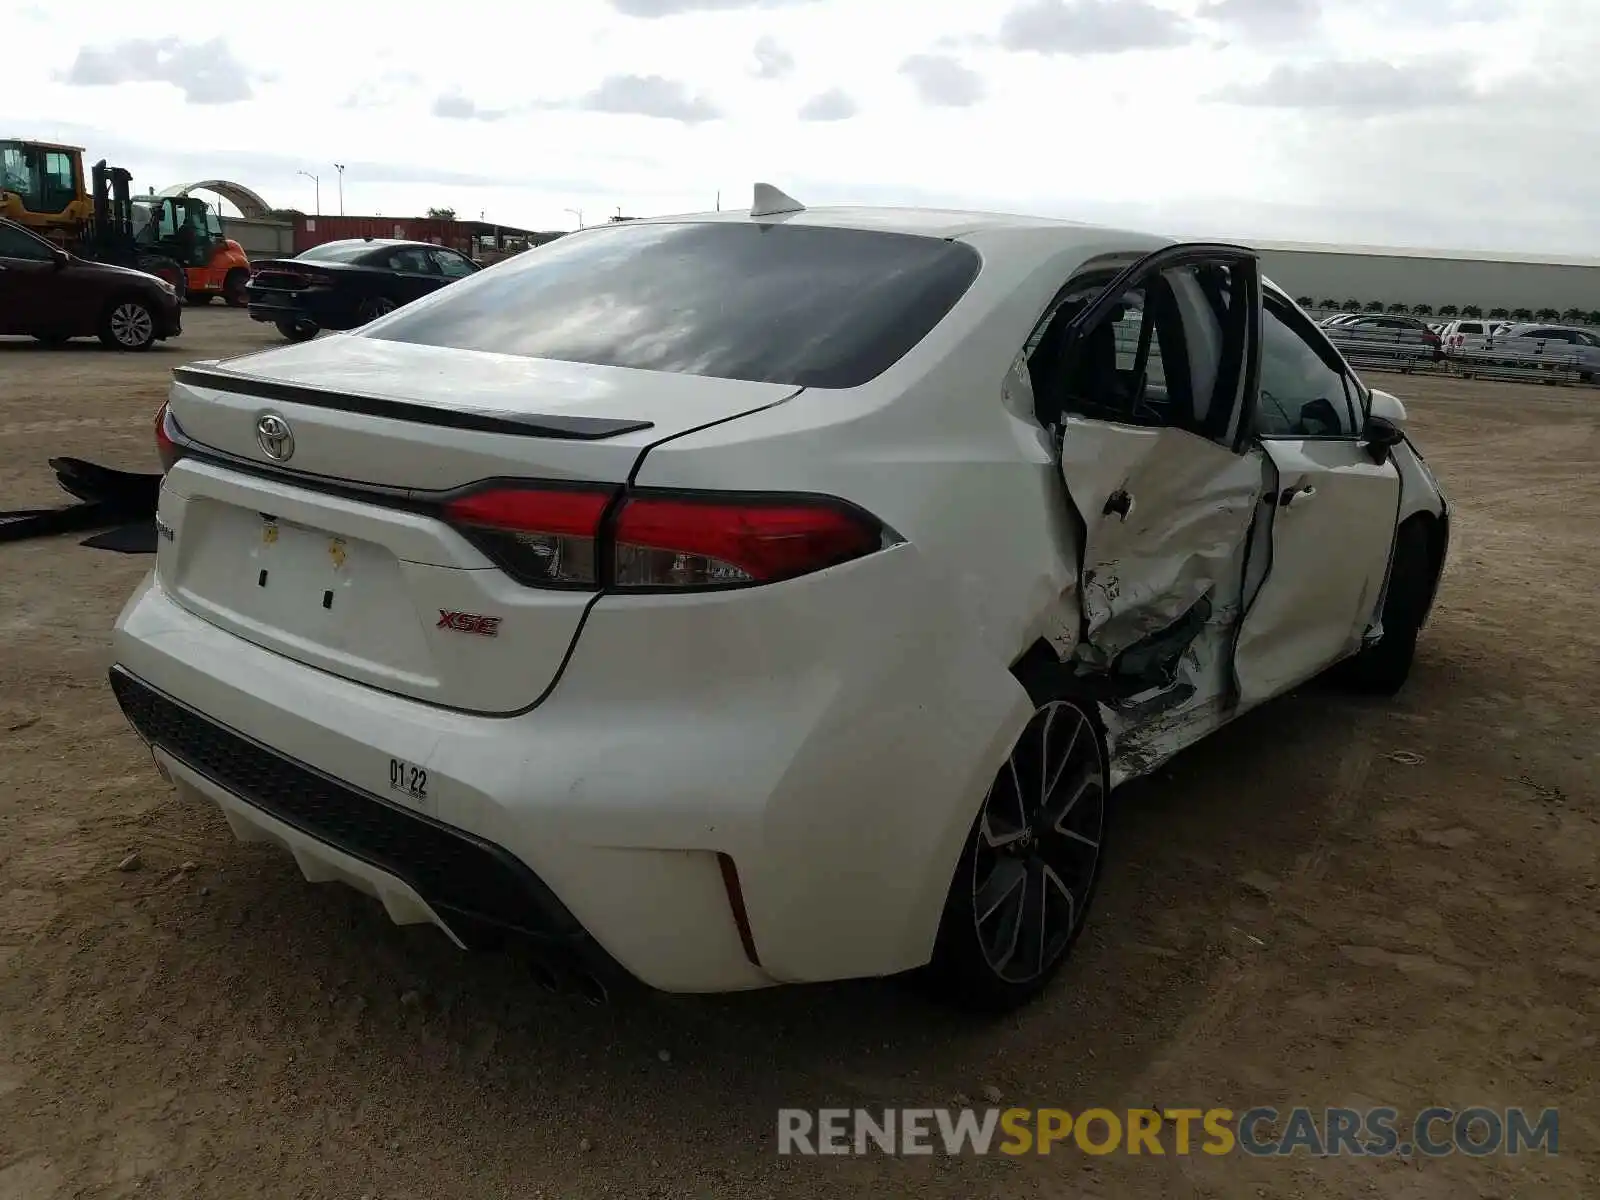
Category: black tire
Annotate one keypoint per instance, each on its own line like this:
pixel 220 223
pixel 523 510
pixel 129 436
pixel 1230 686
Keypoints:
pixel 1031 865
pixel 374 307
pixel 1382 668
pixel 128 323
pixel 297 331
pixel 233 293
pixel 51 339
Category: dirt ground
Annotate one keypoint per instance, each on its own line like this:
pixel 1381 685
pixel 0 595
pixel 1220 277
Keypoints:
pixel 1334 902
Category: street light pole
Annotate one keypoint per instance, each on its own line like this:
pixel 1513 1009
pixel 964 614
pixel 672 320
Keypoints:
pixel 577 212
pixel 339 167
pixel 317 183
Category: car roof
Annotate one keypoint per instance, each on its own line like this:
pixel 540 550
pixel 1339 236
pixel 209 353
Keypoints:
pixel 1054 233
pixel 376 243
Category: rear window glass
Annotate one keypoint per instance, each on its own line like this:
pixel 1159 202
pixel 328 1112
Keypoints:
pixel 336 252
pixel 804 305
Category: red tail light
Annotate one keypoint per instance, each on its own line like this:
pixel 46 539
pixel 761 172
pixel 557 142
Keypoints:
pixel 167 433
pixel 576 538
pixel 692 542
pixel 544 537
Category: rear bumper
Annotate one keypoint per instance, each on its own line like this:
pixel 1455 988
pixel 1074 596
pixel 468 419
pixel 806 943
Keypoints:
pixel 839 772
pixel 320 310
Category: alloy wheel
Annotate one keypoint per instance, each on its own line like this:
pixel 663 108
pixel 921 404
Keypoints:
pixel 1038 844
pixel 132 325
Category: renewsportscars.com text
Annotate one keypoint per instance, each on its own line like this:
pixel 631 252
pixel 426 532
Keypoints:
pixel 1260 1131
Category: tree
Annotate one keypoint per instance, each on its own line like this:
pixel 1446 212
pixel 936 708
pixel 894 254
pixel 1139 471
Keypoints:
pixel 1499 314
pixel 1305 302
pixel 1397 308
pixel 1522 314
pixel 442 214
pixel 1472 310
pixel 1351 306
pixel 1572 314
pixel 1373 306
pixel 1449 310
pixel 1328 304
pixel 1422 310
pixel 1594 317
pixel 1547 314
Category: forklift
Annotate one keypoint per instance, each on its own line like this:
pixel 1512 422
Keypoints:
pixel 42 189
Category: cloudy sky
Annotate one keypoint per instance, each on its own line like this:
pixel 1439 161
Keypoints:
pixel 1453 123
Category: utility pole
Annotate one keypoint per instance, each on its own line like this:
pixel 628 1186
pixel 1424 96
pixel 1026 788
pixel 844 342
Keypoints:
pixel 719 201
pixel 339 167
pixel 317 183
pixel 577 212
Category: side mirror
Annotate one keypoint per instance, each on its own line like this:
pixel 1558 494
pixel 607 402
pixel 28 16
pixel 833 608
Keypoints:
pixel 1386 425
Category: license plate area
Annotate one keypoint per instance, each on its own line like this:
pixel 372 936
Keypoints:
pixel 326 598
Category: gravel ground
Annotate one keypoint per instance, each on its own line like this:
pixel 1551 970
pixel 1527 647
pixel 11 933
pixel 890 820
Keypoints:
pixel 1333 902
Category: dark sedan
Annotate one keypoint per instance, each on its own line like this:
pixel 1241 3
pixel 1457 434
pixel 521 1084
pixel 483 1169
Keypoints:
pixel 53 296
pixel 340 285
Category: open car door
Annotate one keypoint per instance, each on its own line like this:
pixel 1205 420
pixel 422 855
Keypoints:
pixel 1145 379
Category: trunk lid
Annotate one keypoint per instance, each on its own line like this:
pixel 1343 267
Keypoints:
pixel 331 554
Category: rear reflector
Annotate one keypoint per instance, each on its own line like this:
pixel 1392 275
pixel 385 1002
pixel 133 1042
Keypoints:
pixel 167 433
pixel 547 536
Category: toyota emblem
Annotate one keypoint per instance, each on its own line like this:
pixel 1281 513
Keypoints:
pixel 276 438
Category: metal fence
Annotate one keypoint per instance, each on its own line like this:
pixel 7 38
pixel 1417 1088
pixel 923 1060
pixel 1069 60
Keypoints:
pixel 1518 358
pixel 1402 350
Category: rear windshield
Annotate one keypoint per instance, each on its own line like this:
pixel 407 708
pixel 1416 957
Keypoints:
pixel 803 305
pixel 343 252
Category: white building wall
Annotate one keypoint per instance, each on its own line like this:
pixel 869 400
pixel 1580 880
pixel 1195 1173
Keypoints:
pixel 1411 280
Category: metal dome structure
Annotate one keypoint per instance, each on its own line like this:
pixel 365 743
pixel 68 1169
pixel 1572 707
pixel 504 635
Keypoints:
pixel 249 203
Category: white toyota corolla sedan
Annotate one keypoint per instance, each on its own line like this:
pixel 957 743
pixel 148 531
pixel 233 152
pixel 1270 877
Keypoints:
pixel 769 596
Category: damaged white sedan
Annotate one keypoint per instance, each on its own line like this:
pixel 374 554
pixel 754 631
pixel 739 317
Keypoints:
pixel 771 596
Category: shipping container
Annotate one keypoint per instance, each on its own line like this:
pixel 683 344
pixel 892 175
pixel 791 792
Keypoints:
pixel 314 231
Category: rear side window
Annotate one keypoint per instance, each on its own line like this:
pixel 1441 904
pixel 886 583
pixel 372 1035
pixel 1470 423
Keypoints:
pixel 804 305
pixel 344 252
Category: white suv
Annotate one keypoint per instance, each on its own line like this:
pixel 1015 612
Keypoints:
pixel 762 597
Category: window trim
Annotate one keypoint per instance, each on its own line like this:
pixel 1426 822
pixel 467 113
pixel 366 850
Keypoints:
pixel 1241 384
pixel 1299 324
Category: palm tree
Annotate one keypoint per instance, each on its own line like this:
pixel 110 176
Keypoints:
pixel 1499 314
pixel 1305 301
pixel 1422 310
pixel 1573 315
pixel 1522 314
pixel 1594 317
pixel 1328 305
pixel 1449 310
pixel 1351 306
pixel 1472 310
pixel 1397 308
pixel 1374 306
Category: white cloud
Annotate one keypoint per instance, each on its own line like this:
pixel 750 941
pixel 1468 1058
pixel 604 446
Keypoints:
pixel 772 60
pixel 1092 26
pixel 834 104
pixel 1349 123
pixel 206 72
pixel 942 81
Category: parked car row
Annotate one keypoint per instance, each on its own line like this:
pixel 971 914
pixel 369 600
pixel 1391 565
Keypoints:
pixel 52 295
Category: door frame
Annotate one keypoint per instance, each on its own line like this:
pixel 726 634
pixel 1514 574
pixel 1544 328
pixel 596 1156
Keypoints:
pixel 1239 377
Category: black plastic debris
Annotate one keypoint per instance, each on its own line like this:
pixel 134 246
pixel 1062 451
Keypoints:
pixel 107 499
